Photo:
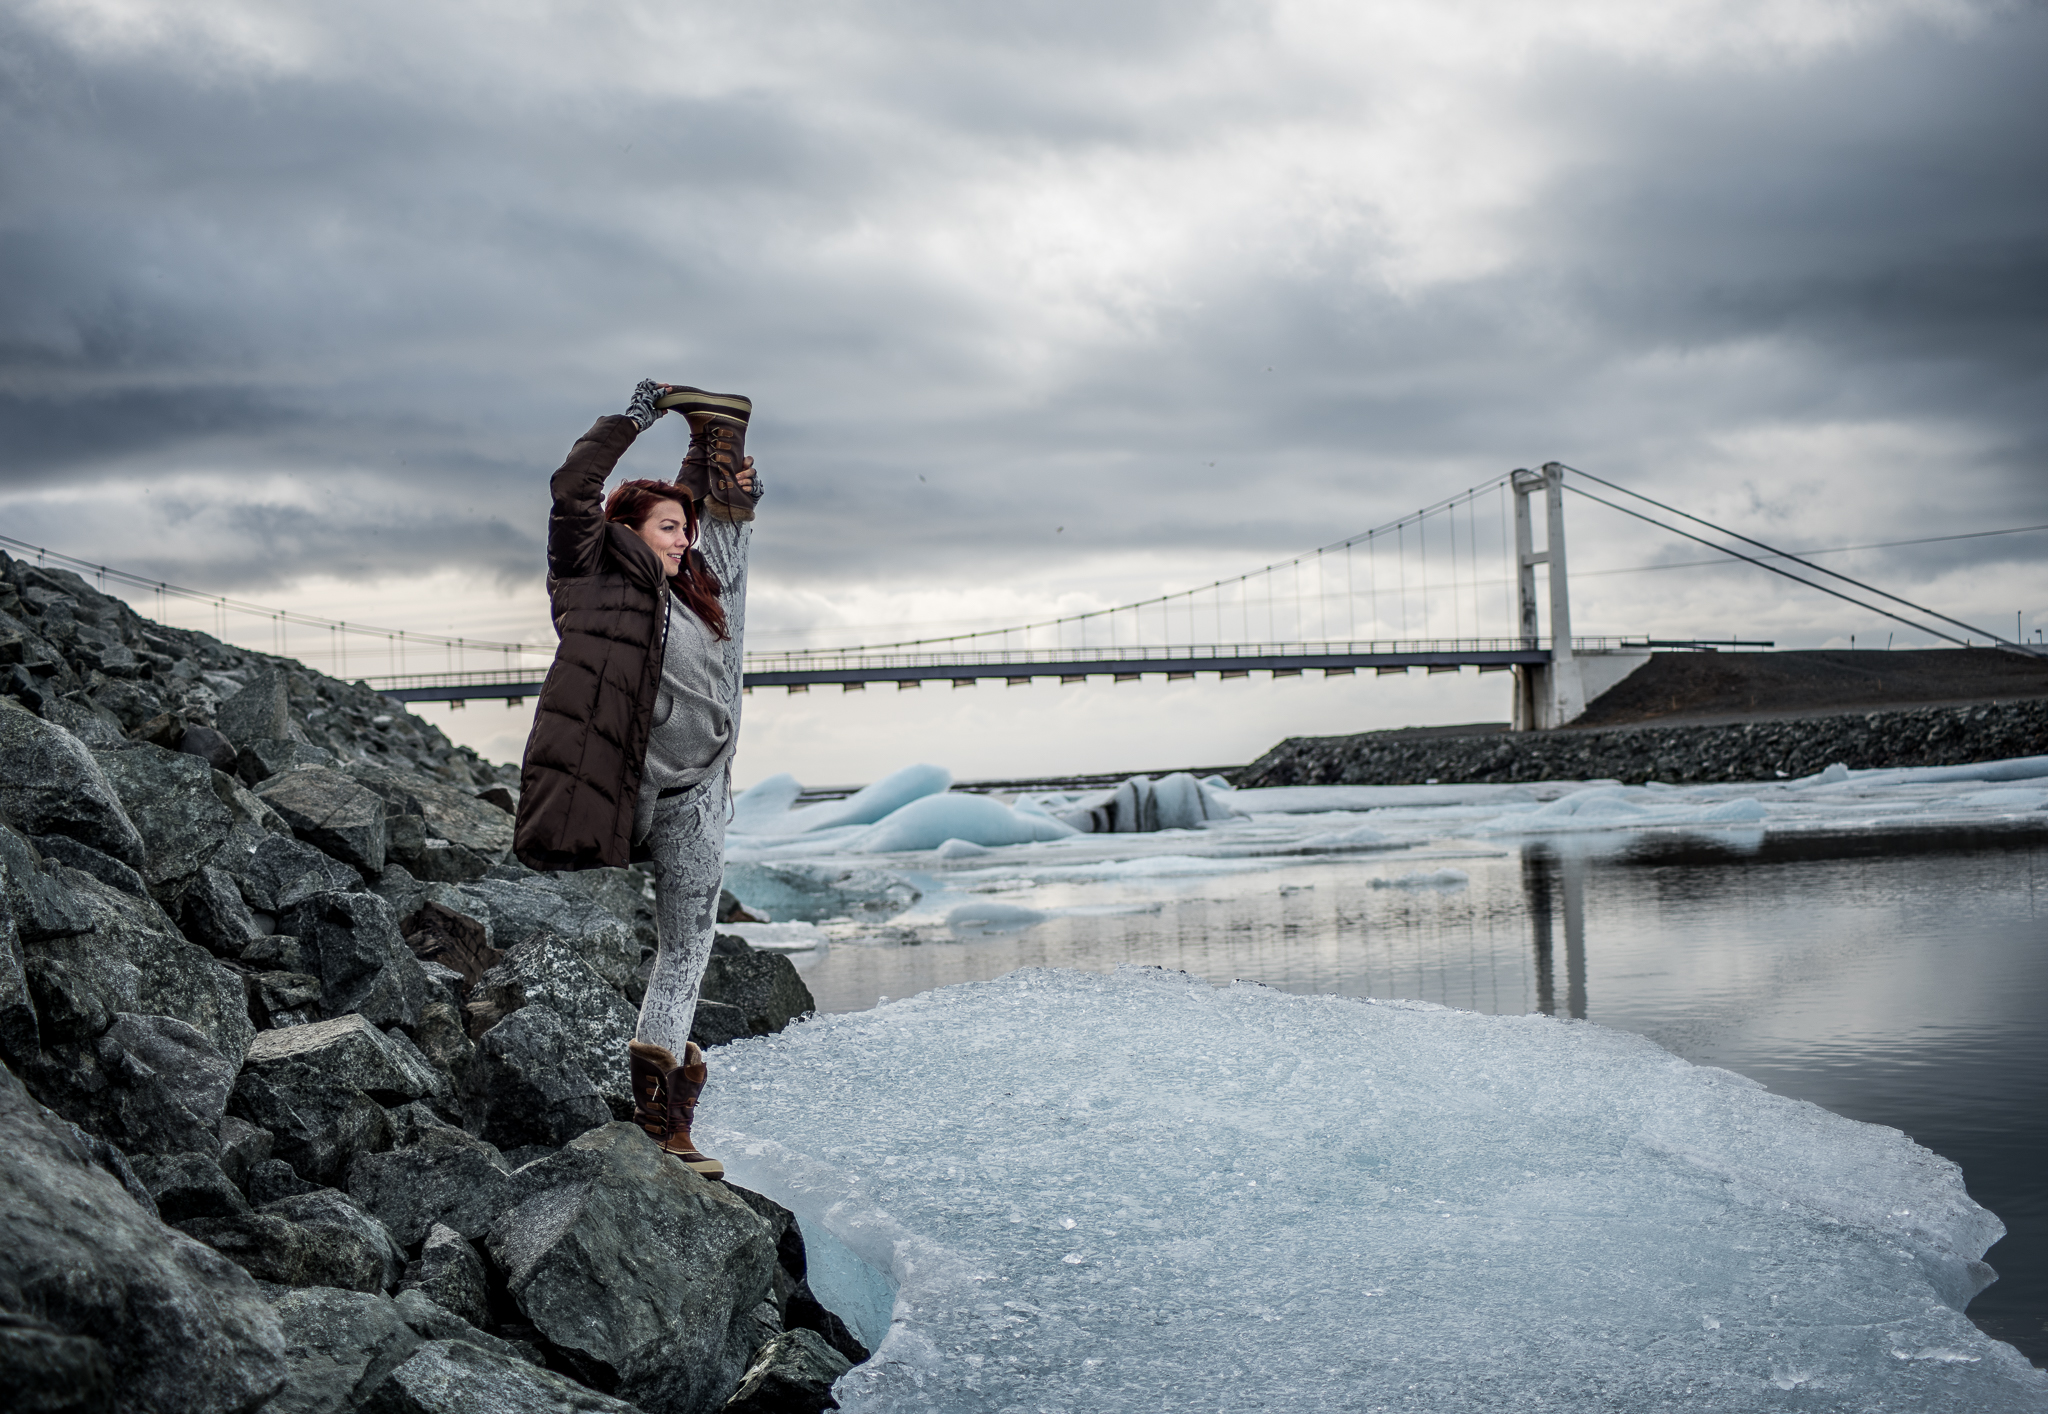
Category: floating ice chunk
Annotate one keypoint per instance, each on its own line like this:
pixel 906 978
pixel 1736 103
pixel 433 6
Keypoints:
pixel 965 849
pixel 1154 866
pixel 809 890
pixel 1426 879
pixel 988 916
pixel 1621 807
pixel 760 806
pixel 1453 1212
pixel 2018 768
pixel 2009 798
pixel 931 821
pixel 777 937
pixel 1141 805
pixel 1357 837
pixel 1834 775
pixel 869 803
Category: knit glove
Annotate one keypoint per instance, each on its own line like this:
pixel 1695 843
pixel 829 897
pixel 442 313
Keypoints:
pixel 642 409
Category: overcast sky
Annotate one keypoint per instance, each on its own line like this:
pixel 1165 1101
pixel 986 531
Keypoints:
pixel 1043 306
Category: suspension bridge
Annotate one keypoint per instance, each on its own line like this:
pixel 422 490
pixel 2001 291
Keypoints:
pixel 1452 586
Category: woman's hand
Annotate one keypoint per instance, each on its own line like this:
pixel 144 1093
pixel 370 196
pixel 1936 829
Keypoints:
pixel 641 408
pixel 746 477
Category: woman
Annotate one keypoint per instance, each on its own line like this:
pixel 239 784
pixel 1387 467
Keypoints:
pixel 631 750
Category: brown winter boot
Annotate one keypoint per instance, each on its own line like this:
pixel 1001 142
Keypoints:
pixel 718 450
pixel 665 1100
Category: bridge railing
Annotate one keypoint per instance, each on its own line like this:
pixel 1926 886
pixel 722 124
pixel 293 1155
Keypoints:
pixel 818 659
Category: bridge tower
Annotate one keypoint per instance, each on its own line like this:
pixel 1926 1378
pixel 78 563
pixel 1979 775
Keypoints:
pixel 1553 693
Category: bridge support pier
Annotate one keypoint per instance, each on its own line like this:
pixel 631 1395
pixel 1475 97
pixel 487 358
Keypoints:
pixel 1549 694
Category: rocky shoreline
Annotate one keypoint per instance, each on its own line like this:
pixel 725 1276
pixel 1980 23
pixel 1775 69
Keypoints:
pixel 314 1098
pixel 1679 755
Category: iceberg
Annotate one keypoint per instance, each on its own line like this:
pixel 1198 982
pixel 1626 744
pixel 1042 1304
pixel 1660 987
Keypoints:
pixel 1624 807
pixel 1136 1191
pixel 932 821
pixel 808 891
pixel 863 807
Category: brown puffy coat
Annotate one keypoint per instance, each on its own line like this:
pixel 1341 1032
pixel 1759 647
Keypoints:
pixel 581 774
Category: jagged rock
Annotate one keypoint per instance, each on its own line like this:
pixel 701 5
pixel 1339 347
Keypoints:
pixel 50 784
pixel 335 1211
pixel 284 999
pixel 188 1185
pixel 804 1311
pixel 793 1374
pixel 449 1273
pixel 170 798
pixel 444 1042
pixel 642 1274
pixel 434 1174
pixel 501 797
pixel 242 1147
pixel 214 914
pixel 546 970
pixel 528 1085
pixel 763 985
pixel 87 720
pixel 259 712
pixel 339 1345
pixel 83 857
pixel 475 830
pixel 184 1331
pixel 432 1321
pixel 351 942
pixel 71 1007
pixel 275 952
pixel 273 1179
pixel 332 813
pixel 132 958
pixel 518 909
pixel 43 907
pixel 160 1089
pixel 209 746
pixel 282 871
pixel 271 1247
pixel 133 703
pixel 45 1371
pixel 731 910
pixel 316 1088
pixel 259 760
pixel 717 1023
pixel 20 1034
pixel 458 1377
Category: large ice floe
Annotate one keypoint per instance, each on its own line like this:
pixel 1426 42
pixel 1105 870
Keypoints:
pixel 1067 1191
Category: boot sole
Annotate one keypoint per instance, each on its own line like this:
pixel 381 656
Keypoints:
pixel 689 400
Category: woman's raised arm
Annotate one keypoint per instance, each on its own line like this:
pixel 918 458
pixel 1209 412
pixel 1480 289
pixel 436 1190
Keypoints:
pixel 576 525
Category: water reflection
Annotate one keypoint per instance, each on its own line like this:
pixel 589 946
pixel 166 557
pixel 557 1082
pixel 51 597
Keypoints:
pixel 1549 878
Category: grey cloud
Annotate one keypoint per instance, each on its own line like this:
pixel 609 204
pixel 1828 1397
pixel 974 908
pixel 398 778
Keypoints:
pixel 420 292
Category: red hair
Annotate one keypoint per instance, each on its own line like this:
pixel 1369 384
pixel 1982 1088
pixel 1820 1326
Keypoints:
pixel 631 504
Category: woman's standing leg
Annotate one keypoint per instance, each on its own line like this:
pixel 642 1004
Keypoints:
pixel 688 844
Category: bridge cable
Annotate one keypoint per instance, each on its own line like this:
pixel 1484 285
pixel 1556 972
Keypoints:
pixel 1772 550
pixel 1774 569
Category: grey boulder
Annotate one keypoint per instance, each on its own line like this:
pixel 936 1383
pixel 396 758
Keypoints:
pixel 643 1275
pixel 339 1345
pixel 317 1089
pixel 214 915
pixel 332 813
pixel 281 871
pixel 792 1374
pixel 51 785
pixel 260 711
pixel 547 970
pixel 764 986
pixel 449 1273
pixel 46 1371
pixel 170 796
pixel 351 942
pixel 434 1174
pixel 309 1239
pixel 84 858
pixel 188 1185
pixel 457 1377
pixel 184 1330
pixel 517 909
pixel 527 1084
pixel 165 1088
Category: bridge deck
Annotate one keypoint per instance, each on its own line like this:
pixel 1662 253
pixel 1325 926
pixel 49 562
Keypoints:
pixel 801 670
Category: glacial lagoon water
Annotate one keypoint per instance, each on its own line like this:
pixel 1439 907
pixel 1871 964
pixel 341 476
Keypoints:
pixel 1885 957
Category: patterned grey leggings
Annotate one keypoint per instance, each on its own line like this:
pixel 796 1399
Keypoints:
pixel 687 838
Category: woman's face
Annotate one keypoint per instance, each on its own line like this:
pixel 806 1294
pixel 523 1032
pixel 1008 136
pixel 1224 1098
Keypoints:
pixel 667 533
